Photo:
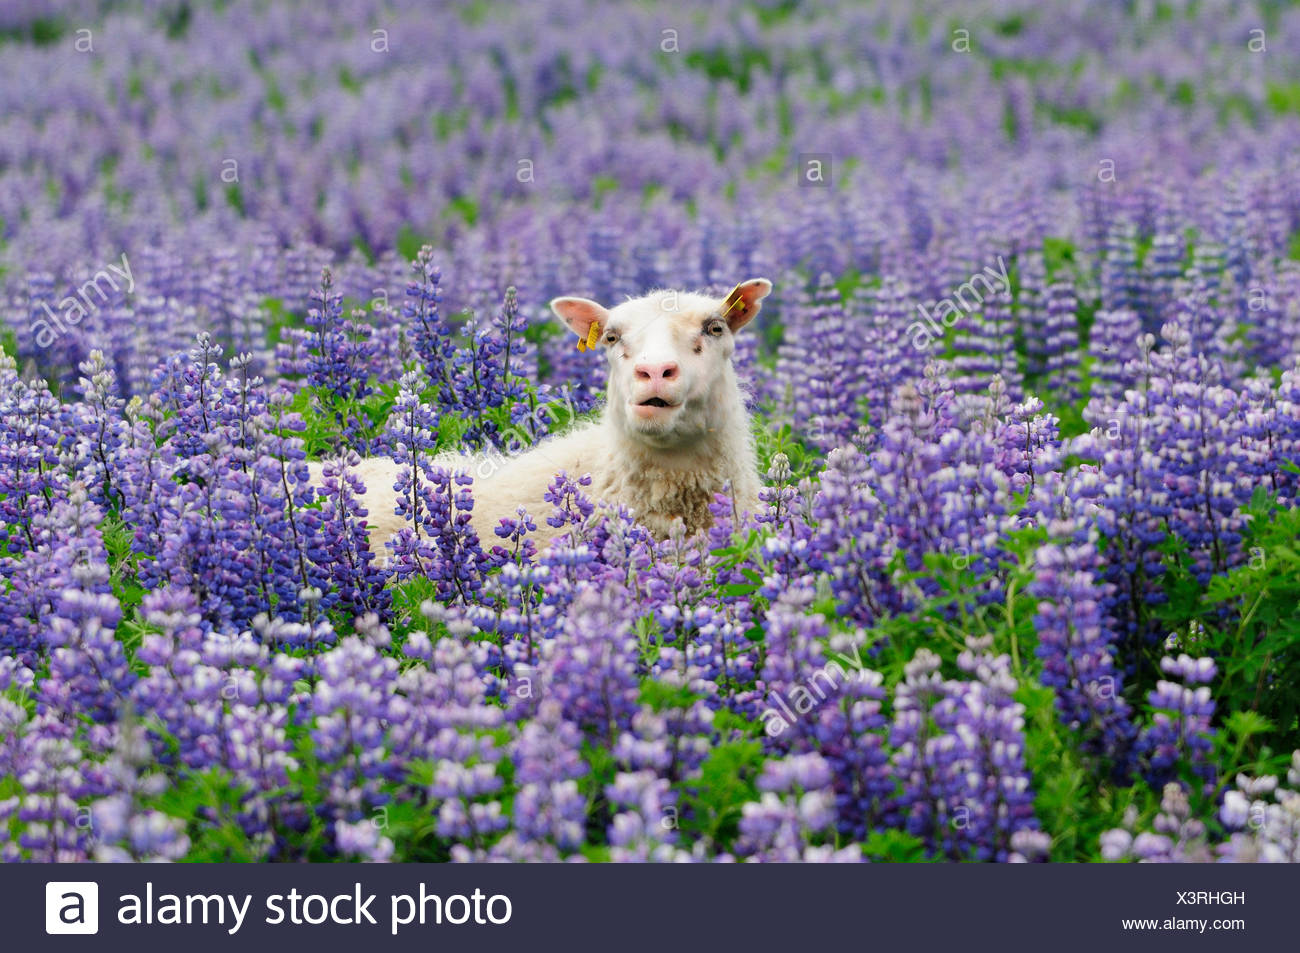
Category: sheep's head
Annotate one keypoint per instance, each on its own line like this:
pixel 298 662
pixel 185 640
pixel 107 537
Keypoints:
pixel 669 355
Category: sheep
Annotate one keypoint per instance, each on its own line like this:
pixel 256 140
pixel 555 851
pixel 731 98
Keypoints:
pixel 672 432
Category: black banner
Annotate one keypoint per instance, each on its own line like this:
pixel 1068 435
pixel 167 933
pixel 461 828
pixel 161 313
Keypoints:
pixel 579 907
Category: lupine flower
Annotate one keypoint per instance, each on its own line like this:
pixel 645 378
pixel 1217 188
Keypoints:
pixel 1178 837
pixel 343 541
pixel 1077 646
pixel 1061 346
pixel 422 311
pixel 124 829
pixel 1179 737
pixel 823 387
pixel 590 667
pixel 796 806
pixel 959 751
pixel 985 345
pixel 1264 818
pixel 548 805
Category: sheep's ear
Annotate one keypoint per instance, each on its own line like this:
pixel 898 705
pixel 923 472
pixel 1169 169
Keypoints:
pixel 745 301
pixel 580 315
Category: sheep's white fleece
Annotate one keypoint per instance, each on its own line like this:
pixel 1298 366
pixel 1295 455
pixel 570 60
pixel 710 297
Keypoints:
pixel 656 485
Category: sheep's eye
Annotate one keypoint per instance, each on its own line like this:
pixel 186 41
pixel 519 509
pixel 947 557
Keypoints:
pixel 611 337
pixel 715 328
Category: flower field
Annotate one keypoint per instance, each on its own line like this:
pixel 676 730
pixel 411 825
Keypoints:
pixel 1026 398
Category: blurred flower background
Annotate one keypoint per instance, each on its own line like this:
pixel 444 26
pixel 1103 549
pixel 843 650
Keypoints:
pixel 1024 584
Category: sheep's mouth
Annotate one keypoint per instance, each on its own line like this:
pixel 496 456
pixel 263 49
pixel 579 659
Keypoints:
pixel 654 402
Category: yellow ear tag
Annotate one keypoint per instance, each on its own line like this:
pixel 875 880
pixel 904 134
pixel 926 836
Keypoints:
pixel 593 334
pixel 733 300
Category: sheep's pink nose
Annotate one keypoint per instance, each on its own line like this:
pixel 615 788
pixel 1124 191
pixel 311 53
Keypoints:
pixel 656 372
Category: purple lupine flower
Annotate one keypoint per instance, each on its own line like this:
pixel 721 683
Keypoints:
pixel 674 585
pixel 221 701
pixel 222 504
pixel 100 431
pixel 1267 444
pixel 795 812
pixel 444 694
pixel 780 496
pixel 1029 444
pixel 973 489
pixel 88 672
pixel 1004 822
pixel 339 354
pixel 577 376
pixel 986 348
pixel 548 805
pixel 590 667
pixel 515 531
pixel 430 335
pixel 464 788
pixel 1178 835
pixel 1077 645
pixel 827 701
pixel 1120 280
pixel 453 558
pixel 335 356
pixel 959 750
pixel 125 830
pixel 490 372
pixel 344 545
pixel 903 462
pixel 44 821
pixel 411 439
pixel 30 479
pixel 1179 737
pixel 1033 311
pixel 520 610
pixel 1263 830
pixel 1131 511
pixel 644 829
pixel 1111 344
pixel 571 505
pixel 852 541
pixel 363 840
pixel 1197 456
pixel 1061 347
pixel 1163 267
pixel 887 359
pixel 352 705
pixel 821 381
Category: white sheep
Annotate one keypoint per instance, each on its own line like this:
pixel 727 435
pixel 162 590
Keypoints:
pixel 673 431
